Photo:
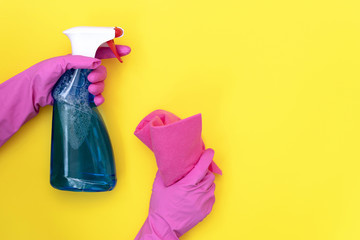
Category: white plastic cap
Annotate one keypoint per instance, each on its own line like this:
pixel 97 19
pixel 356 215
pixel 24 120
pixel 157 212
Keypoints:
pixel 86 40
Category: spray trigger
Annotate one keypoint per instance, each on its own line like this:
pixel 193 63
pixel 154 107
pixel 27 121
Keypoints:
pixel 112 46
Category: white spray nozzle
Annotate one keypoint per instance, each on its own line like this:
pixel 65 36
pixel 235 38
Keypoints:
pixel 86 40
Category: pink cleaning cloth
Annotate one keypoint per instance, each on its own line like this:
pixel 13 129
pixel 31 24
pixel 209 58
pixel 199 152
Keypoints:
pixel 176 143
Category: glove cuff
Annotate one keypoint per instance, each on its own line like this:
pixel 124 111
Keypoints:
pixel 156 228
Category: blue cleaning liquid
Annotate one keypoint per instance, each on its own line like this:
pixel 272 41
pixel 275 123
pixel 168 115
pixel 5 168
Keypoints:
pixel 81 154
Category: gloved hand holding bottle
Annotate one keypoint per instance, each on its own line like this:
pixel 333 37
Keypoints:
pixel 176 209
pixel 22 95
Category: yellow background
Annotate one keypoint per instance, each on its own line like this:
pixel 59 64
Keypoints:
pixel 277 83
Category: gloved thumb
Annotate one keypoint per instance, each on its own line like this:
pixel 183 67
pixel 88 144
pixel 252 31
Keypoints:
pixel 201 168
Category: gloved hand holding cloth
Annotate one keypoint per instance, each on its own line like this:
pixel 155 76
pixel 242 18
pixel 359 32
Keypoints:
pixel 183 190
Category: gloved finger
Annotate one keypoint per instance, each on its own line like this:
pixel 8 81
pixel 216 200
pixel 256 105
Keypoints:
pixel 105 52
pixel 210 201
pixel 158 182
pixel 96 88
pixel 97 75
pixel 79 62
pixel 207 182
pixel 98 100
pixel 200 169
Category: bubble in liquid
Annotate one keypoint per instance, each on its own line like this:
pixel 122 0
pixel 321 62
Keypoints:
pixel 72 96
pixel 76 122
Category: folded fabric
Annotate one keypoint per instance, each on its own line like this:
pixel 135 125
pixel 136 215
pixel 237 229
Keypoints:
pixel 176 143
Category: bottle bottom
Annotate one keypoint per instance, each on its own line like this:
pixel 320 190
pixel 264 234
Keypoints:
pixel 81 185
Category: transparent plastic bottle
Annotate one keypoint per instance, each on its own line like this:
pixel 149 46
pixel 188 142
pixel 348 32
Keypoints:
pixel 81 153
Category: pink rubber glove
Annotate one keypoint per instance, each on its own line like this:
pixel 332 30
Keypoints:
pixel 176 209
pixel 176 143
pixel 22 95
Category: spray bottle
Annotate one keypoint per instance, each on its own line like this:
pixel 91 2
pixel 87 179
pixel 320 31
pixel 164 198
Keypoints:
pixel 81 153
